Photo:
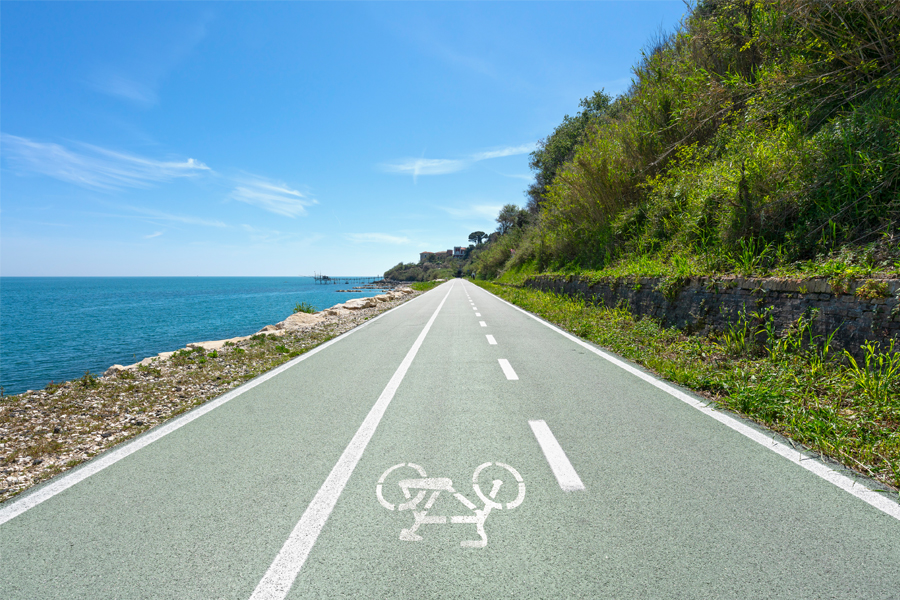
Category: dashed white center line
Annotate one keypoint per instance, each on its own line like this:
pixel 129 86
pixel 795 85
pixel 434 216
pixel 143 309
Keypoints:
pixel 491 340
pixel 482 323
pixel 562 469
pixel 507 369
pixel 477 314
pixel 473 308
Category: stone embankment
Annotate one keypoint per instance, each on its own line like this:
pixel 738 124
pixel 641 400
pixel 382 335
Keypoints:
pixel 296 322
pixel 856 311
pixel 44 432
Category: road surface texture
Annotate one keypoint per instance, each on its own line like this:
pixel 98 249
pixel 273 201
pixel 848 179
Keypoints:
pixel 455 447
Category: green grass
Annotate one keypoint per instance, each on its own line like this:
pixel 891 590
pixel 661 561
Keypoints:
pixel 792 383
pixel 303 307
pixel 89 380
pixel 424 286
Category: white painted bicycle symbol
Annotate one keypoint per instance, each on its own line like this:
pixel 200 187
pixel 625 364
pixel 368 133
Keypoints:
pixel 423 484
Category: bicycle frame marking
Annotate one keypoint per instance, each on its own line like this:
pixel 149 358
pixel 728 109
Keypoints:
pixel 435 485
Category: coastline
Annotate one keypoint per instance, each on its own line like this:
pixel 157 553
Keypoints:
pixel 49 431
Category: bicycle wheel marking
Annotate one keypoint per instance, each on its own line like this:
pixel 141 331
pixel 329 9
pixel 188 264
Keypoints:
pixel 415 489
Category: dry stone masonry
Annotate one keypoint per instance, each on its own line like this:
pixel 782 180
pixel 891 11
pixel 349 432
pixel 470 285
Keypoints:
pixel 860 311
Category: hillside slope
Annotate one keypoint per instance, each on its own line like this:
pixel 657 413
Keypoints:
pixel 760 138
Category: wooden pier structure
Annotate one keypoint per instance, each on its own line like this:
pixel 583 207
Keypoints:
pixel 325 279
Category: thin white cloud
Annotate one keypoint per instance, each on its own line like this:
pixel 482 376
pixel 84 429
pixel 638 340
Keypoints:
pixel 92 166
pixel 151 215
pixel 273 197
pixel 378 238
pixel 488 211
pixel 259 234
pixel 153 235
pixel 136 73
pixel 508 151
pixel 426 166
pixel 431 36
pixel 443 166
pixel 114 84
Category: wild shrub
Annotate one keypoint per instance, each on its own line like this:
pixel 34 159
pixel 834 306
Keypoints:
pixel 879 375
pixel 304 307
pixel 89 380
pixel 757 135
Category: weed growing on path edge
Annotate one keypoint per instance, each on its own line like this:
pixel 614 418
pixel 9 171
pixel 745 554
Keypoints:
pixel 791 383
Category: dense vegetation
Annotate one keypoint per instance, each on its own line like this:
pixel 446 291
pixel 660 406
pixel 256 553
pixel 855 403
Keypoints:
pixel 435 266
pixel 761 137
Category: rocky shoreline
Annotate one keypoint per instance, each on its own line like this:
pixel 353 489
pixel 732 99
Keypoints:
pixel 45 432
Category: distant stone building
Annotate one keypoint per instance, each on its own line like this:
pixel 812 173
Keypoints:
pixel 457 252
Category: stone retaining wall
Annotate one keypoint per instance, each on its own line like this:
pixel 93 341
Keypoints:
pixel 703 304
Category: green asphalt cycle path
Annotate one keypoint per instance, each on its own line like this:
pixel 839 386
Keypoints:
pixel 674 505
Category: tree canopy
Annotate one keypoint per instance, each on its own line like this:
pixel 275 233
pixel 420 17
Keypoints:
pixel 477 237
pixel 511 216
pixel 559 147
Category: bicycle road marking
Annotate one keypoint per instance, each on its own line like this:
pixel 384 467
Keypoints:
pixel 277 581
pixel 491 340
pixel 507 369
pixel 563 470
pixel 435 485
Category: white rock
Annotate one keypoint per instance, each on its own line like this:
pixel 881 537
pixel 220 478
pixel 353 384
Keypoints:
pixel 301 320
pixel 359 303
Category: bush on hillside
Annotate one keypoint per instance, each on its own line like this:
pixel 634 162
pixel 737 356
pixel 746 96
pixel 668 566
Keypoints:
pixel 758 135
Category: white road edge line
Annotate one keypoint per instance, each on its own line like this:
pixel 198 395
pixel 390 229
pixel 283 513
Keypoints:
pixel 811 464
pixel 491 340
pixel 277 581
pixel 559 463
pixel 91 467
pixel 507 369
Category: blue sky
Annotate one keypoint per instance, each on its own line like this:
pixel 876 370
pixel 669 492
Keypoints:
pixel 284 138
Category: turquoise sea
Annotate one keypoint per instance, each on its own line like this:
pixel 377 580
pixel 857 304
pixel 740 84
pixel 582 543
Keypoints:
pixel 56 328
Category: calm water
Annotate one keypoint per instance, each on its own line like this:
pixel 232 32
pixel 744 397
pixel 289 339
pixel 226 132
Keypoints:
pixel 56 328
